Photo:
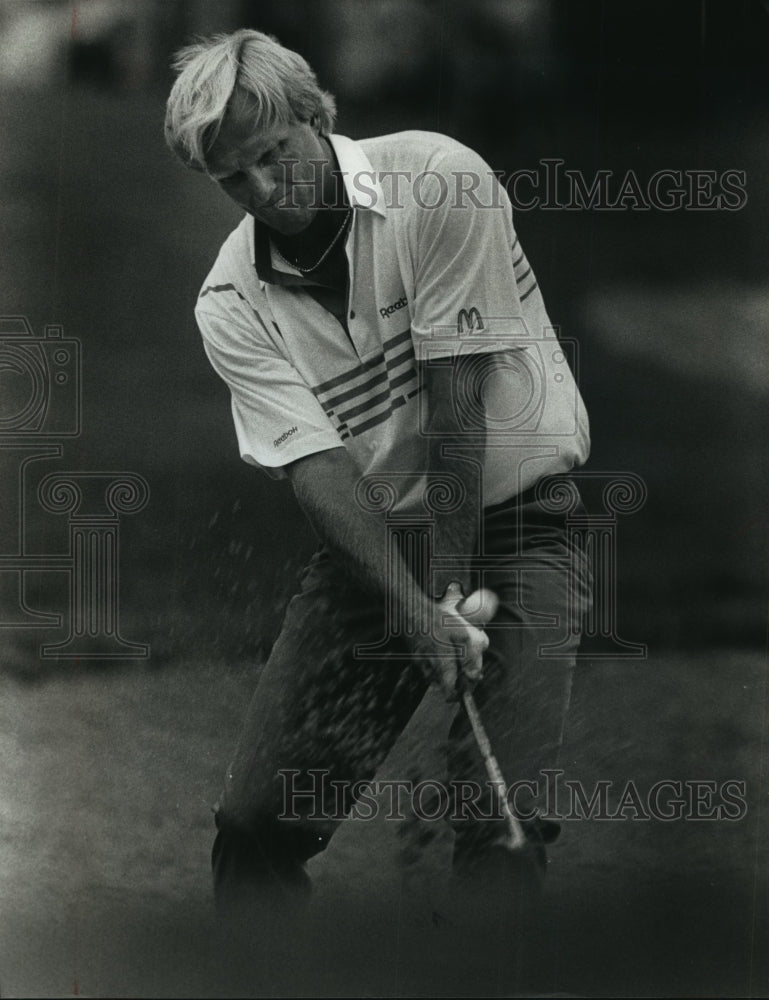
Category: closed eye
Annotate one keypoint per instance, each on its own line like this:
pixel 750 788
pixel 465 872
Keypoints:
pixel 272 155
pixel 229 178
pixel 267 159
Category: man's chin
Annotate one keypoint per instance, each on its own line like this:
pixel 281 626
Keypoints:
pixel 286 221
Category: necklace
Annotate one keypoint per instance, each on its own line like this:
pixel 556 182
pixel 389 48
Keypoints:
pixel 326 252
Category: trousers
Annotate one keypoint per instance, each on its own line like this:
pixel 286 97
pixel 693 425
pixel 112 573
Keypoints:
pixel 325 714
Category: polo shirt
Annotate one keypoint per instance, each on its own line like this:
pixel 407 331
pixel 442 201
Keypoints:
pixel 436 271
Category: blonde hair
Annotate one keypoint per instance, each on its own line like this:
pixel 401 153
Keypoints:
pixel 282 84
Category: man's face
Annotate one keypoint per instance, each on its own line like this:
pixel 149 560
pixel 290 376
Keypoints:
pixel 276 174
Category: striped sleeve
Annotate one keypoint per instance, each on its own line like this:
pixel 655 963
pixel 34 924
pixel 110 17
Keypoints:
pixel 524 276
pixel 471 275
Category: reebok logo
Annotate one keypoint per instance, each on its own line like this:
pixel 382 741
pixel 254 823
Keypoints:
pixel 387 311
pixel 284 437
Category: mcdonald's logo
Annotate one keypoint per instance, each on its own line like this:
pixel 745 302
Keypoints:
pixel 469 320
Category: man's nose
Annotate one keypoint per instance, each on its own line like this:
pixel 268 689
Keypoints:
pixel 262 183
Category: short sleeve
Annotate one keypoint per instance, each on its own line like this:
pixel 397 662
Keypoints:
pixel 466 298
pixel 277 418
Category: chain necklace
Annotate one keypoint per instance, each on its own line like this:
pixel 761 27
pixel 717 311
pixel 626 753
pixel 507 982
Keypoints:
pixel 326 252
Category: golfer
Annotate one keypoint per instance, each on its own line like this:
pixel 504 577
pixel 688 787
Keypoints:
pixel 387 349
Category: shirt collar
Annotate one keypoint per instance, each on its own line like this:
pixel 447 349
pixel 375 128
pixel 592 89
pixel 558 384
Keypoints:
pixel 363 191
pixel 360 179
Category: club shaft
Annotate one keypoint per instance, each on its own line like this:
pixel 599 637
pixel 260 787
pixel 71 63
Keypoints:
pixel 515 830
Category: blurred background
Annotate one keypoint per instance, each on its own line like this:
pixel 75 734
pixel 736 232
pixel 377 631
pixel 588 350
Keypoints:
pixel 110 768
pixel 106 235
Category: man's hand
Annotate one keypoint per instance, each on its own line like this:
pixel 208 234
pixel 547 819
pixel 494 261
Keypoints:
pixel 454 622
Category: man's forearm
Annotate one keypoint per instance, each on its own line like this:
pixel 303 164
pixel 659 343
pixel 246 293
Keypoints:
pixel 455 533
pixel 452 452
pixel 325 486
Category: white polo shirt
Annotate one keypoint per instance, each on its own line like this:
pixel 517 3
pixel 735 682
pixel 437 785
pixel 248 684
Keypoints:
pixel 435 271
